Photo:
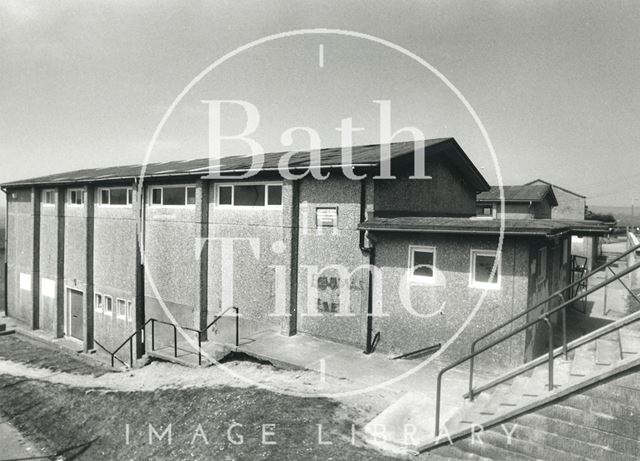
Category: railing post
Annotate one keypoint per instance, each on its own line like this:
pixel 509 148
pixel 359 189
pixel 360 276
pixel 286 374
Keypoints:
pixel 237 327
pixel 112 360
pixel 153 335
pixel 175 341
pixel 564 329
pixel 550 327
pixel 199 348
pixel 437 428
pixel 131 352
pixel 471 373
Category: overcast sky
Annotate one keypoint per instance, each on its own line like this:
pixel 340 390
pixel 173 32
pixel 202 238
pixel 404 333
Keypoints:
pixel 556 83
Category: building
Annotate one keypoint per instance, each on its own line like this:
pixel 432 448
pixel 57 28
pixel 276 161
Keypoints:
pixel 571 205
pixel 520 202
pixel 93 254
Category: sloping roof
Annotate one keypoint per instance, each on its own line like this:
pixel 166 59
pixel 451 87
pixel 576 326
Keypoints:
pixel 530 193
pixel 553 185
pixel 444 225
pixel 365 157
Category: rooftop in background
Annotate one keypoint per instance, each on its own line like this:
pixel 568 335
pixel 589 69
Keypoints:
pixel 443 225
pixel 526 193
pixel 536 181
pixel 364 157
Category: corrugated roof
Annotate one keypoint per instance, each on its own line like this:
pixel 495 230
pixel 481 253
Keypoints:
pixel 528 193
pixel 445 225
pixel 367 156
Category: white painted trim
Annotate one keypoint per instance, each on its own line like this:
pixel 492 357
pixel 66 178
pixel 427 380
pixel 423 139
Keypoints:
pixel 496 285
pixel 161 188
pixel 422 279
pixel 121 317
pixel 216 199
pixel 106 312
pixel 43 193
pixel 99 203
pixel 96 305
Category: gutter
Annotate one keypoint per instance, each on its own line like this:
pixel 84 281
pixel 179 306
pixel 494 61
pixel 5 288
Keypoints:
pixel 474 232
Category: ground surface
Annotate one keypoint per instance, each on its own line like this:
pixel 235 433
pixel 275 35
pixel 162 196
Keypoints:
pixel 69 408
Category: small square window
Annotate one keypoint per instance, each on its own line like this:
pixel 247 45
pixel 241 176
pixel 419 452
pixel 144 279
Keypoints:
pixel 422 263
pixel 104 197
pixel 108 305
pixel 250 195
pixel 487 211
pixel 225 195
pixel 121 308
pixel 49 197
pixel 129 311
pixel 174 196
pixel 118 196
pixel 482 263
pixel 191 195
pixel 76 197
pixel 156 196
pixel 274 195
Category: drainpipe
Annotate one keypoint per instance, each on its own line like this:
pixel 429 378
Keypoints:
pixel 140 248
pixel 6 252
pixel 369 250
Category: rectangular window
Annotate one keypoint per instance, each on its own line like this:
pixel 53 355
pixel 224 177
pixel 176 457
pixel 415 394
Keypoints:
pixel 108 305
pixel 115 196
pixel 482 263
pixel 173 195
pixel 121 308
pixel 76 197
pixel 98 306
pixel 129 311
pixel 326 217
pixel 565 251
pixel 487 211
pixel 249 195
pixel 49 197
pixel 542 264
pixel 422 263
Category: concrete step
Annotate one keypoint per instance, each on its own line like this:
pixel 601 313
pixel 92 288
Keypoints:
pixel 584 362
pixel 188 358
pixel 515 396
pixel 583 449
pixel 590 420
pixel 629 342
pixel 523 449
pixel 486 449
pixel 587 435
pixel 453 452
pixel 607 352
pixel 468 413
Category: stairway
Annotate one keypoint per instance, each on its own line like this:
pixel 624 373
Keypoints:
pixel 593 362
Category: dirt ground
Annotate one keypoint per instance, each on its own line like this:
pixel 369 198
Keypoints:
pixel 74 410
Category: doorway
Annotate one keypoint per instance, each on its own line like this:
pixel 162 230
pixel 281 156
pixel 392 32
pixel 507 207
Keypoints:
pixel 74 318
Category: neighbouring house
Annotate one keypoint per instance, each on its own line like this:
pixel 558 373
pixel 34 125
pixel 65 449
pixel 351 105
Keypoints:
pixel 573 206
pixel 520 202
pixel 93 254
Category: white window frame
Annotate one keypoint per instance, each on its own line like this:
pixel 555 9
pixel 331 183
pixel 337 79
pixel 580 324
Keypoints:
pixel 99 197
pixel 69 192
pixel 107 312
pixel 266 185
pixel 541 275
pixel 161 189
pixel 495 285
pixel 124 308
pixel 98 305
pixel 44 197
pixel 421 278
pixel 130 315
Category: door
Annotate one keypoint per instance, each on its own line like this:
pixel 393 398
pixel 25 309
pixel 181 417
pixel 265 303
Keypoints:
pixel 74 312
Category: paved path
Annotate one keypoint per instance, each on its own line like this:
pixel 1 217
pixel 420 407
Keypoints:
pixel 13 446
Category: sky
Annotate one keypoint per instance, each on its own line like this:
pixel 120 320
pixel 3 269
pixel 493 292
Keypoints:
pixel 555 83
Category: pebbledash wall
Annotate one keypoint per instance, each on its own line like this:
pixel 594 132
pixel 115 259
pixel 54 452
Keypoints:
pixel 285 272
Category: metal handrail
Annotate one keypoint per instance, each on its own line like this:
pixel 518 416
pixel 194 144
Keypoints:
pixel 559 293
pixel 109 352
pixel 217 317
pixel 543 318
pixel 130 340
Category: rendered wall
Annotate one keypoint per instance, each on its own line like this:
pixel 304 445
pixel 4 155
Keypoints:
pixel 569 206
pixel 50 214
pixel 20 254
pixel 445 194
pixel 405 331
pixel 114 268
pixel 319 249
